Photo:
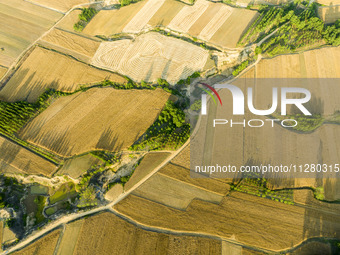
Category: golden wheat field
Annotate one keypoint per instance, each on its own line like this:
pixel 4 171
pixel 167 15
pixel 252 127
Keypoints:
pixel 60 5
pixel 71 43
pixel 151 56
pixel 248 219
pixel 100 118
pixel 329 2
pixel 43 246
pixel 44 69
pixel 106 233
pixel 3 70
pixel 16 159
pixel 69 20
pixel 216 23
pixel 21 23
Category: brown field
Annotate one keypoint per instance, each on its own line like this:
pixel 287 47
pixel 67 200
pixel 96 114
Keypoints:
pixel 148 163
pixel 45 69
pixel 77 166
pixel 329 14
pixel 1 232
pixel 16 159
pixel 109 22
pixel 21 23
pixel 100 118
pixel 44 246
pixel 213 22
pixel 72 42
pixel 60 5
pixel 174 193
pixel 106 233
pixel 248 219
pixel 151 56
pixel 68 21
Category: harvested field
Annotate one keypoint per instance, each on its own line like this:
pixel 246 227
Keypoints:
pixel 70 237
pixel 72 42
pixel 44 246
pixel 100 118
pixel 106 233
pixel 147 165
pixel 264 223
pixel 68 21
pixel 183 175
pixel 166 13
pixel 60 5
pixel 217 23
pixel 151 56
pixel 140 20
pixel 188 16
pixel 173 193
pixel 21 23
pixel 75 167
pixel 3 70
pixel 329 2
pixel 16 159
pixel 329 14
pixel 45 69
pixel 109 22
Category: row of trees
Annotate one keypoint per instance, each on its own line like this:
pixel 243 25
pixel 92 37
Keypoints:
pixel 84 17
pixel 169 131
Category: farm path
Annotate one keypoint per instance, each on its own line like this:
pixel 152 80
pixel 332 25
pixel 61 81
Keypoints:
pixel 17 60
pixel 67 218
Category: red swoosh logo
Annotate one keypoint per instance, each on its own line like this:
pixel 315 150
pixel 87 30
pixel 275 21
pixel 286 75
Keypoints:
pixel 213 90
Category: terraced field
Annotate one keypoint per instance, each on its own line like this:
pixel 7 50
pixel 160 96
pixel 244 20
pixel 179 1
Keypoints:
pixel 100 118
pixel 45 69
pixel 216 23
pixel 16 159
pixel 21 24
pixel 151 56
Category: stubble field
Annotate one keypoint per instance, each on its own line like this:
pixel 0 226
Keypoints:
pixel 100 118
pixel 213 22
pixel 44 69
pixel 21 23
pixel 151 56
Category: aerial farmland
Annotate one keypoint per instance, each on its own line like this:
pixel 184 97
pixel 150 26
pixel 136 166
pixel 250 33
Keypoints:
pixel 117 116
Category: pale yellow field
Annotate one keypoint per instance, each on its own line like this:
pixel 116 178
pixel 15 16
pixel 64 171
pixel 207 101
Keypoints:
pixel 60 5
pixel 3 70
pixel 68 21
pixel 174 193
pixel 213 22
pixel 79 165
pixel 45 69
pixel 106 233
pixel 329 14
pixel 72 41
pixel 100 118
pixel 16 159
pixel 109 22
pixel 148 163
pixel 248 219
pixel 21 23
pixel 71 234
pixel 151 56
pixel 329 2
pixel 44 246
